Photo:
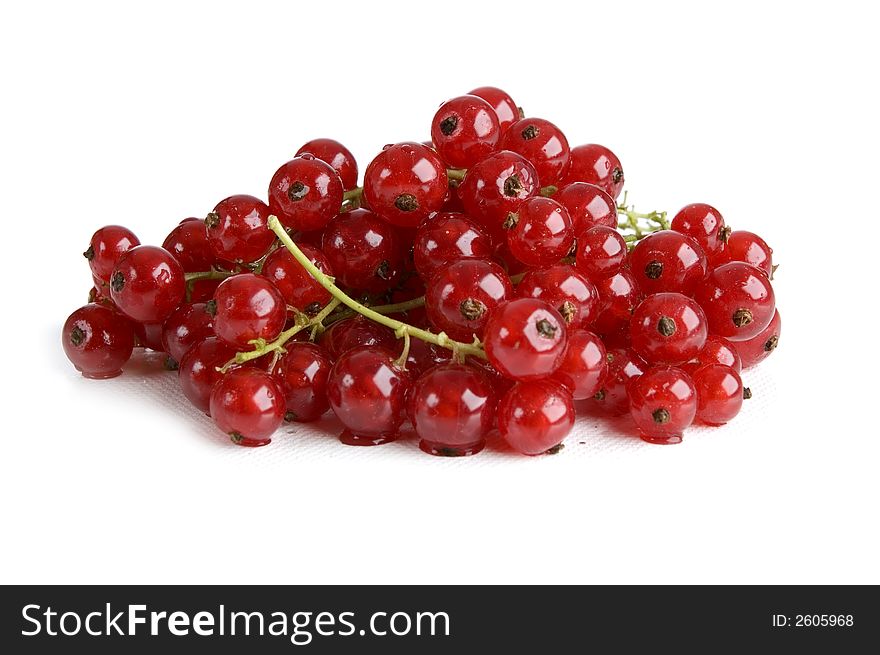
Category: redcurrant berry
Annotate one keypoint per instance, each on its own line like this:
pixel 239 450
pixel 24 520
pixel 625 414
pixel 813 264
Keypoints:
pixel 465 130
pixel 668 261
pixel 337 156
pixel 618 297
pixel 747 247
pixel 601 252
pixel 363 251
pixel 248 405
pixel 423 356
pixel 738 300
pixel 623 365
pixel 543 144
pixel 584 364
pixel 296 284
pixel 106 246
pixel 350 333
pixel 445 238
pixel 505 108
pixel 704 224
pixel 98 341
pixel 540 232
pixel 302 374
pixel 147 284
pixel 247 307
pixel 563 288
pixel 717 350
pixel 149 335
pixel 305 193
pixel 534 417
pixel 719 393
pixel 525 339
pixel 759 347
pixel 197 371
pixel 588 205
pixel 237 229
pixel 668 328
pixel 663 403
pixel 188 242
pixel 597 165
pixel 188 325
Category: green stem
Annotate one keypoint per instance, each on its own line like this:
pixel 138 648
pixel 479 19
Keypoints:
pixel 396 308
pixel 400 328
pixel 456 174
pixel 208 275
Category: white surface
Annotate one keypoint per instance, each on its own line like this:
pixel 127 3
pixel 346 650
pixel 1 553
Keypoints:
pixel 146 115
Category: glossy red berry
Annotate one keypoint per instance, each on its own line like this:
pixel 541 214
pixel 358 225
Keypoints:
pixel 147 284
pixel 564 289
pixel 465 130
pixel 495 188
pixel 295 283
pixel 623 365
pixel 98 341
pixel 543 144
pixel 719 393
pixel 337 156
pixel 190 324
pixel 668 328
pixel 704 224
pixel 106 247
pixel 149 335
pixel 460 297
pixel 588 205
pixel 504 106
pixel 423 356
pixel 405 183
pixel 363 251
pixel 663 403
pixel 197 370
pixel 302 374
pixel 597 165
pixel 738 300
pixel 601 252
pixel 247 404
pixel 618 297
pixel 540 232
pixel 584 364
pixel 445 238
pixel 305 193
pixel 237 229
pixel 747 247
pixel 367 392
pixel 717 350
pixel 534 417
pixel 356 331
pixel 525 339
pixel 668 261
pixel 759 347
pixel 188 242
pixel 248 307
pixel 452 408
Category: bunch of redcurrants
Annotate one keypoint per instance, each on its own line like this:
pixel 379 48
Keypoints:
pixel 487 279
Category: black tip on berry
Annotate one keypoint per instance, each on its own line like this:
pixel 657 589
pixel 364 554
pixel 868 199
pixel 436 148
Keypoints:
pixel 511 221
pixel 666 326
pixel 545 328
pixel 406 202
pixel 555 449
pixel 117 282
pixel 568 311
pixel 448 125
pixel 290 417
pixel 653 270
pixel 236 437
pixel 530 132
pixel 599 395
pixel 297 191
pixel 90 253
pixel 742 317
pixel 449 452
pixel 747 393
pixel 724 234
pixel 312 308
pixel 771 343
pixel 616 174
pixel 77 336
pixel 521 112
pixel 382 270
pixel 211 308
pixel 661 416
pixel 212 220
pixel 512 186
pixel 170 364
pixel 472 309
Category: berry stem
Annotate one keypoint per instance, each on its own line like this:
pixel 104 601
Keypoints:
pixel 456 174
pixel 635 222
pixel 396 308
pixel 400 328
pixel 208 275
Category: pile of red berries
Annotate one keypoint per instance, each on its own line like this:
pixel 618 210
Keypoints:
pixel 485 279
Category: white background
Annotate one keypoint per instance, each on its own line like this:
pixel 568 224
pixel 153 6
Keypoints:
pixel 145 114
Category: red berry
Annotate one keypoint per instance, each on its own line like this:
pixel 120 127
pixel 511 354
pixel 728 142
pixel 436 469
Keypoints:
pixel 459 297
pixel 584 364
pixel 543 144
pixel 668 261
pixel 499 383
pixel 405 183
pixel 237 229
pixel 717 350
pixel 305 193
pixel 356 331
pixel 504 106
pixel 106 246
pixel 668 328
pixel 495 187
pixel 445 238
pixel 98 341
pixel 188 242
pixel 423 356
pixel 188 325
pixel 302 374
pixel 197 371
pixel 564 289
pixel 452 408
pixel 147 284
pixel 597 165
pixel 588 205
pixel 337 156
pixel 601 252
pixel 747 247
pixel 618 297
pixel 465 130
pixel 363 251
pixel 663 403
pixel 149 335
pixel 247 404
pixel 534 417
pixel 248 307
pixel 295 283
pixel 525 339
pixel 623 365
pixel 539 233
pixel 738 300
pixel 704 224
pixel 759 347
pixel 719 393
pixel 367 392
